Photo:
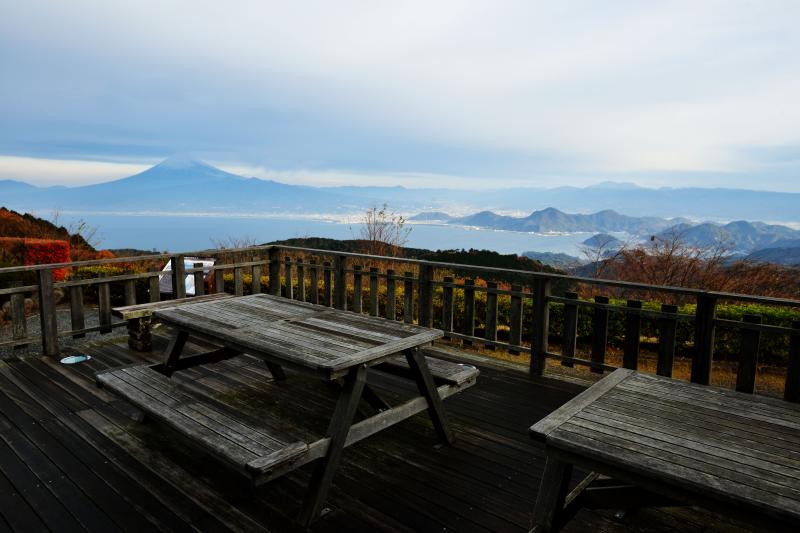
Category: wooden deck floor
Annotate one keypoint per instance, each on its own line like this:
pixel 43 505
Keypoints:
pixel 73 458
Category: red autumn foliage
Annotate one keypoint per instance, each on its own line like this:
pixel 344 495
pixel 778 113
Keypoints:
pixel 37 252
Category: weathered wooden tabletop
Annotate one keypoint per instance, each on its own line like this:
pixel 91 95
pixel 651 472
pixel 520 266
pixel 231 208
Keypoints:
pixel 705 441
pixel 297 334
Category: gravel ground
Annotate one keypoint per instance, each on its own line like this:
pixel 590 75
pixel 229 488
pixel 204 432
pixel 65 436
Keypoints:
pixel 64 324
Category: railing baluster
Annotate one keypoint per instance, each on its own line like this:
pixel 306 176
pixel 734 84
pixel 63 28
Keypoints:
pixel 600 334
pixel 178 277
pixel 667 327
pixel 219 280
pixel 238 281
pixel 129 286
pixel 391 295
pixel 425 295
pixel 275 271
pixel 748 356
pixel 301 279
pixel 76 311
pixel 358 286
pixel 104 303
pixel 447 306
pixel 199 280
pixel 287 273
pixel 515 333
pixel 327 276
pixel 633 335
pixel 314 273
pixel 570 336
pixel 490 332
pixel 408 298
pixel 19 325
pixel 541 326
pixel 255 272
pixel 47 313
pixel 340 283
pixel 373 291
pixel 791 388
pixel 468 327
pixel 154 286
pixel 703 339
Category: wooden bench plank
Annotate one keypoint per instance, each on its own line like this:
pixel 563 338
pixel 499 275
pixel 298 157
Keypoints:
pixel 234 441
pixel 129 312
pixel 446 371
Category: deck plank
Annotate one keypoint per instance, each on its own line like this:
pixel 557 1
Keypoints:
pixel 395 481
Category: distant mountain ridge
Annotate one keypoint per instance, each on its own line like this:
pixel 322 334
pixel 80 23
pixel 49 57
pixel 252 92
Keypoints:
pixel 181 184
pixel 551 220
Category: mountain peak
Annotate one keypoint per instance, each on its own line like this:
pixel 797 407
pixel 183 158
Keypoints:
pixel 182 162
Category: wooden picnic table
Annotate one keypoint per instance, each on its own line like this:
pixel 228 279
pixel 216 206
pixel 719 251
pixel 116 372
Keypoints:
pixel 333 345
pixel 662 441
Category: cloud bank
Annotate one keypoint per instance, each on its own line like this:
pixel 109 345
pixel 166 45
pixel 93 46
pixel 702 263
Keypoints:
pixel 667 93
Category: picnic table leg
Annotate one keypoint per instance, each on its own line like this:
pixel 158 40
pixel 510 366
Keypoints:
pixel 277 371
pixel 552 494
pixel 173 351
pixel 427 387
pixel 338 429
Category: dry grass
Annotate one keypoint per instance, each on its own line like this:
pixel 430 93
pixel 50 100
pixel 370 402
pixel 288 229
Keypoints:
pixel 769 379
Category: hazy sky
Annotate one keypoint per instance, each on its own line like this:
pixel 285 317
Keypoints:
pixel 421 93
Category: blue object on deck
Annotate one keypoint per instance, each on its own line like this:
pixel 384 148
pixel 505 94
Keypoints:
pixel 72 359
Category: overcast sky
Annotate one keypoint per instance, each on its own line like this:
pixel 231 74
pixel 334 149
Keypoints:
pixel 420 93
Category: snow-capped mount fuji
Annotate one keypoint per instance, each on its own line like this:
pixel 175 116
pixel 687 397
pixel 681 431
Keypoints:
pixel 181 184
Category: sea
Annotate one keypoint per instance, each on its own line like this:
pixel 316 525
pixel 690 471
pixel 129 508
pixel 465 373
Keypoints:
pixel 189 232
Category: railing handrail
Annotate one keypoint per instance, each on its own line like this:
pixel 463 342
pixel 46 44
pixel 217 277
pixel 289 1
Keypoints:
pixel 628 285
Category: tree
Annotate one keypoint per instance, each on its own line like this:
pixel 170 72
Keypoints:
pixel 384 232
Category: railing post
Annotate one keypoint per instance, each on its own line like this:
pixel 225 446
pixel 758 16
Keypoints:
pixel 703 339
pixel 199 280
pixel 515 333
pixel 425 295
pixel 339 283
pixel 748 356
pixel 19 325
pixel 154 285
pixel 468 328
pixel 178 277
pixel 47 313
pixel 541 326
pixel 301 279
pixel 130 289
pixel 104 304
pixel 408 298
pixel 667 327
pixel 255 272
pixel 373 291
pixel 327 293
pixel 791 388
pixel 288 275
pixel 358 286
pixel 238 281
pixel 219 280
pixel 633 335
pixel 314 275
pixel 570 336
pixel 78 320
pixel 447 306
pixel 391 295
pixel 275 271
pixel 599 334
pixel 490 332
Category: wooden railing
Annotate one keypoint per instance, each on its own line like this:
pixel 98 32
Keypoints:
pixel 338 279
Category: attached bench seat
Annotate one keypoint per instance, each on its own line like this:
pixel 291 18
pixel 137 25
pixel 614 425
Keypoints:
pixel 443 371
pixel 253 450
pixel 140 317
